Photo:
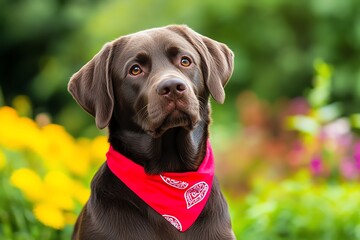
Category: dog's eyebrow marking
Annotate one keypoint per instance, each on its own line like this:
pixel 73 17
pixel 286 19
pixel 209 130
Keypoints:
pixel 142 58
pixel 172 51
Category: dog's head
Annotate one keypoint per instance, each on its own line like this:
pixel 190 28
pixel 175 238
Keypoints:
pixel 160 78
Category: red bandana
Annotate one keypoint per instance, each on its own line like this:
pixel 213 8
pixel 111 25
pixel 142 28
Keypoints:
pixel 178 197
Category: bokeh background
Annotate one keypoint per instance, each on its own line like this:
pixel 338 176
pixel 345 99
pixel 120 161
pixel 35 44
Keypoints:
pixel 286 140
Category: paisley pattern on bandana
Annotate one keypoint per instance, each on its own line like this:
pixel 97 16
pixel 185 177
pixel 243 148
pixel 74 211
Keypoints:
pixel 196 194
pixel 174 221
pixel 174 183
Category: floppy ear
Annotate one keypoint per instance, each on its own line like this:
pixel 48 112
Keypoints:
pixel 218 65
pixel 92 88
pixel 217 60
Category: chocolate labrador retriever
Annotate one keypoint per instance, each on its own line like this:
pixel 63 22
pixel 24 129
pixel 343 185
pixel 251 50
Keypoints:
pixel 152 90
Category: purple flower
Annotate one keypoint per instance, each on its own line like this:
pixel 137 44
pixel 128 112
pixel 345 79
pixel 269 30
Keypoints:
pixel 357 155
pixel 316 165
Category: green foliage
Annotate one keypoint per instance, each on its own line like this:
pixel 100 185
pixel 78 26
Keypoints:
pixel 275 43
pixel 321 110
pixel 298 209
pixel 355 120
pixel 43 42
pixel 320 93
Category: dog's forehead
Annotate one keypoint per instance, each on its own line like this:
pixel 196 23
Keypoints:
pixel 156 40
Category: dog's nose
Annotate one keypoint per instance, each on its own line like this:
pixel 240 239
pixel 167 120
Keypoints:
pixel 173 88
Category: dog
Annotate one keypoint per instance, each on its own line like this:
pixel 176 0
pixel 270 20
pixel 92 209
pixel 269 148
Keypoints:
pixel 152 90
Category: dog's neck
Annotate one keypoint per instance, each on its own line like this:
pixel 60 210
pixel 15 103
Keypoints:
pixel 177 150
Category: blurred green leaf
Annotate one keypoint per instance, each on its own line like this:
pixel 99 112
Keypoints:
pixel 355 120
pixel 303 124
pixel 319 95
pixel 329 112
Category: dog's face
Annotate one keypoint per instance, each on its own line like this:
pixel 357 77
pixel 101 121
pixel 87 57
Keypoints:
pixel 160 79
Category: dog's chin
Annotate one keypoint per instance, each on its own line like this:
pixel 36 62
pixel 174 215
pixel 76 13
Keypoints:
pixel 176 119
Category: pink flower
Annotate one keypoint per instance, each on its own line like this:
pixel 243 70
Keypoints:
pixel 338 131
pixel 357 155
pixel 348 169
pixel 298 106
pixel 316 165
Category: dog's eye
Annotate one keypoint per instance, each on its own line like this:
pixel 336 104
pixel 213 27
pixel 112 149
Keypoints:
pixel 185 62
pixel 135 70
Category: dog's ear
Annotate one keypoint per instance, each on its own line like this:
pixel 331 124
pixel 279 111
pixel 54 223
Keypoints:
pixel 217 66
pixel 92 88
pixel 217 60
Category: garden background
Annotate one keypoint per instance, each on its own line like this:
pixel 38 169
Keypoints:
pixel 286 140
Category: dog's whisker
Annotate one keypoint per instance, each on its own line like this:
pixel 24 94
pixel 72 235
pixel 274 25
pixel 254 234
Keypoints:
pixel 142 111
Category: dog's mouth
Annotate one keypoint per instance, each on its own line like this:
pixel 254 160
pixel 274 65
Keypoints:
pixel 175 119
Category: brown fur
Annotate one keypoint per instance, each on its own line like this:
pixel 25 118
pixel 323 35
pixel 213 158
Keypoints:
pixel 159 119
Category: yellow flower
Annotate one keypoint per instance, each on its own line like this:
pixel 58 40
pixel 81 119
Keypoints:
pixel 66 162
pixel 2 160
pixel 59 181
pixel 81 193
pixel 29 183
pixel 61 151
pixel 80 164
pixel 8 118
pixel 49 215
pixel 59 188
pixel 18 133
pixel 99 147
